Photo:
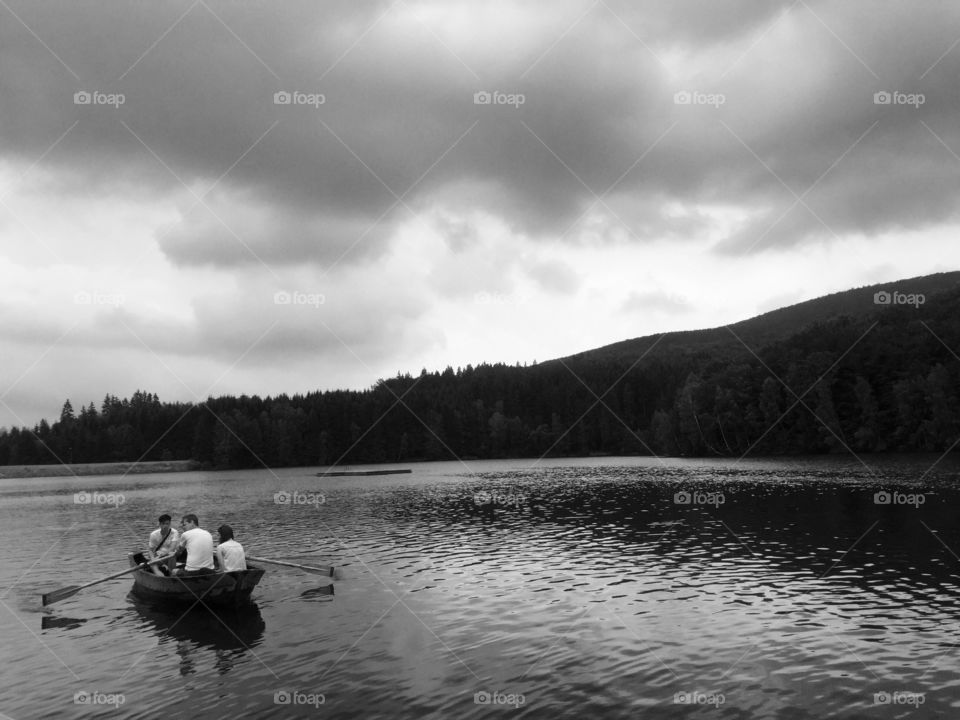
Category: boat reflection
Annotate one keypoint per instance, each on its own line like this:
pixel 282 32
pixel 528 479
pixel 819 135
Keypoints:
pixel 229 633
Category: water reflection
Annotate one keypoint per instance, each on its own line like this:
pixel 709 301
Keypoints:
pixel 702 577
pixel 230 632
pixel 819 529
pixel 323 593
pixel 52 622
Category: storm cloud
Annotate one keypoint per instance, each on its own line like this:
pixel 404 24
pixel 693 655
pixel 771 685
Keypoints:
pixel 403 158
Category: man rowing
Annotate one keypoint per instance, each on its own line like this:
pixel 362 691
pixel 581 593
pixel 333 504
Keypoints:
pixel 199 546
pixel 163 543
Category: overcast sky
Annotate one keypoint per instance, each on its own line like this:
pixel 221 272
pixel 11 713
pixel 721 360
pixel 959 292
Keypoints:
pixel 451 182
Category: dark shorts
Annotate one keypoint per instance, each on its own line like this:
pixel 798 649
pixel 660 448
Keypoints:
pixel 201 571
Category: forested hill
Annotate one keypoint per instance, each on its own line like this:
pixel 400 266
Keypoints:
pixel 836 374
pixel 775 325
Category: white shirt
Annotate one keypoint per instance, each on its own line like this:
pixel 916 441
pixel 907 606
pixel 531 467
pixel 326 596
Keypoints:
pixel 231 556
pixel 199 545
pixel 169 546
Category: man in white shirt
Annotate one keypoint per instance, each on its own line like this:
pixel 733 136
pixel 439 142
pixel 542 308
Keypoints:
pixel 163 543
pixel 230 555
pixel 199 546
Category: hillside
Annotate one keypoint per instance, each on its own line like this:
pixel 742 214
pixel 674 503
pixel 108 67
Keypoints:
pixel 839 374
pixel 776 325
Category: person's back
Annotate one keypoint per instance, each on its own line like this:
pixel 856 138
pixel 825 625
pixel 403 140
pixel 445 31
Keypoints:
pixel 229 552
pixel 198 544
pixel 231 556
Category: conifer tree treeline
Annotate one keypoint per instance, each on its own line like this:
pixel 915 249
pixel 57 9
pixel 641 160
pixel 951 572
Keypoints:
pixel 887 381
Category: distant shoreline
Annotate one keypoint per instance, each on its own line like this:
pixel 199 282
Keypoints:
pixel 355 469
pixel 82 469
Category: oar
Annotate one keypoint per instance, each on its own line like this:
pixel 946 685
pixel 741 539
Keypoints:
pixel 63 593
pixel 319 570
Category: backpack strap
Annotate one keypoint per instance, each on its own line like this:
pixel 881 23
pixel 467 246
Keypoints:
pixel 163 539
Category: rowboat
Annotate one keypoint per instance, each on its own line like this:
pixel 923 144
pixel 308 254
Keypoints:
pixel 217 589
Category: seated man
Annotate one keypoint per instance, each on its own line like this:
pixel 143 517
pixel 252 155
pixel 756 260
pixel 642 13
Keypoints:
pixel 199 546
pixel 163 543
pixel 230 555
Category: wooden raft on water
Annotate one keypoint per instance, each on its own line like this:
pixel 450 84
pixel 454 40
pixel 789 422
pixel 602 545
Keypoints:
pixel 340 473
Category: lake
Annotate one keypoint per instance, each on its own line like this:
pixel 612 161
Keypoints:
pixel 596 587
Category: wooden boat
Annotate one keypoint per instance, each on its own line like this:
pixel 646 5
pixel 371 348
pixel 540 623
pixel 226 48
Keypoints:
pixel 216 589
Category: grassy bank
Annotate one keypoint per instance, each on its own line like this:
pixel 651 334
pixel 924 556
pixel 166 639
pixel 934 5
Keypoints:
pixel 81 469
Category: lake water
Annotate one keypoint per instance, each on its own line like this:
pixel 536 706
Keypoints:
pixel 601 587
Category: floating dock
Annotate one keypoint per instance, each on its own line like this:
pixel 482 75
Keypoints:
pixel 341 473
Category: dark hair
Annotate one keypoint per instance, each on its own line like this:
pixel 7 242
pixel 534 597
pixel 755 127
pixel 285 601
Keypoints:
pixel 165 518
pixel 226 533
pixel 190 517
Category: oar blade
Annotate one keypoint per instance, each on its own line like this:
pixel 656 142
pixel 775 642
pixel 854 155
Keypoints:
pixel 323 570
pixel 61 594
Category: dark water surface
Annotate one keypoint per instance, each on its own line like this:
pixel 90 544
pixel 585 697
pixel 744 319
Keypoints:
pixel 782 589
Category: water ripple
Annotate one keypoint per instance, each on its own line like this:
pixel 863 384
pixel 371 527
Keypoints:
pixel 611 587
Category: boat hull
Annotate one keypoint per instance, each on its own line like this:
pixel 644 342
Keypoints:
pixel 216 589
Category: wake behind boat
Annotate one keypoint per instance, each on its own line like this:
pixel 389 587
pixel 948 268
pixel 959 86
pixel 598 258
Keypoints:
pixel 216 589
